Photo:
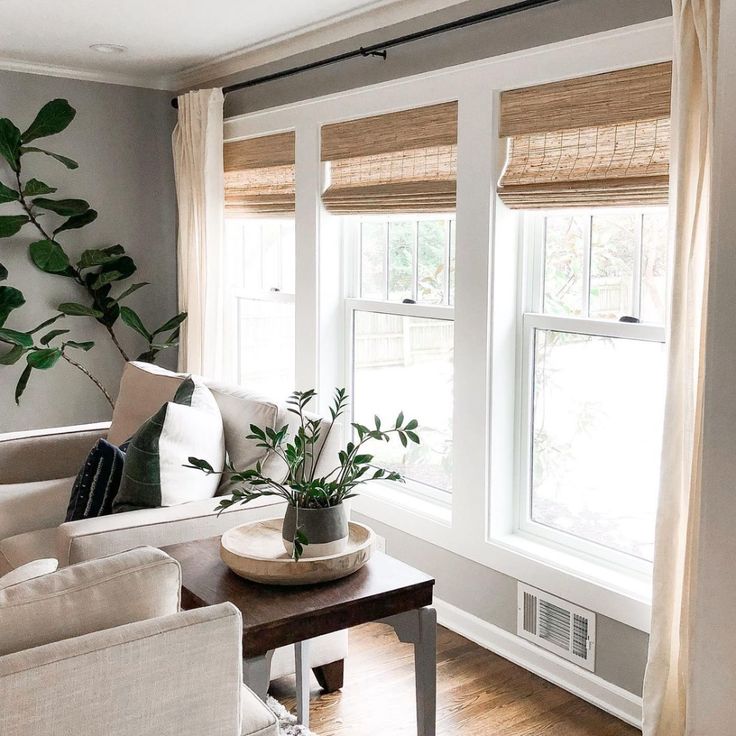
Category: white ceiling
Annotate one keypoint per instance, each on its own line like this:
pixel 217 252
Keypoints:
pixel 173 40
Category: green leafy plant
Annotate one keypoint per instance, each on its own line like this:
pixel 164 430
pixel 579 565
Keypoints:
pixel 96 272
pixel 301 487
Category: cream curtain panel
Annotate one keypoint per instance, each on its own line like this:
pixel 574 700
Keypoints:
pixel 602 140
pixel 198 167
pixel 667 682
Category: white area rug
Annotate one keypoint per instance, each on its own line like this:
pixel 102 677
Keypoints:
pixel 287 722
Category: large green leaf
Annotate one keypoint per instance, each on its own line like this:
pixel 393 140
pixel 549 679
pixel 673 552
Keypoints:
pixel 16 338
pixel 12 356
pixel 64 207
pixel 46 323
pixel 172 324
pixel 78 310
pixel 99 256
pixel 10 143
pixel 68 162
pixel 134 322
pixel 22 383
pixel 44 359
pixel 77 221
pixel 79 345
pixel 4 273
pixel 11 224
pixel 49 256
pixel 10 299
pixel 7 194
pixel 116 270
pixel 49 336
pixel 35 188
pixel 52 118
pixel 131 289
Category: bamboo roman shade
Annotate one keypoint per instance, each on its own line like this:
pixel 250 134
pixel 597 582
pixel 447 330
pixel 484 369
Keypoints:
pixel 399 162
pixel 259 175
pixel 602 140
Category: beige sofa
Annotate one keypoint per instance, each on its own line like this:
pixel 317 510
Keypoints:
pixel 37 470
pixel 101 648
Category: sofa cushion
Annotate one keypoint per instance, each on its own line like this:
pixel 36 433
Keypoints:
pixel 36 505
pixel 23 548
pixel 30 570
pixel 144 389
pixel 256 718
pixel 156 472
pixel 99 594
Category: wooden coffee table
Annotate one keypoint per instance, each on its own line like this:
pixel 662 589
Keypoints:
pixel 385 591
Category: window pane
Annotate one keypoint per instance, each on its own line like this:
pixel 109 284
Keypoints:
pixel 288 253
pixel 406 364
pixel 563 264
pixel 654 266
pixel 401 244
pixel 373 242
pixel 266 346
pixel 614 243
pixel 598 406
pixel 453 230
pixel 433 253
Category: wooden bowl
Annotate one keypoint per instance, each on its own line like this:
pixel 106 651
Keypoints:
pixel 256 552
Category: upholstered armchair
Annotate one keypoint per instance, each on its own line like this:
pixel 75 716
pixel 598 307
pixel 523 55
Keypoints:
pixel 37 471
pixel 101 648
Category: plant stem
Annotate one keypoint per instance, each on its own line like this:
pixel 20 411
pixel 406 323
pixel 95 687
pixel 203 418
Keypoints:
pixel 94 380
pixel 117 344
pixel 28 209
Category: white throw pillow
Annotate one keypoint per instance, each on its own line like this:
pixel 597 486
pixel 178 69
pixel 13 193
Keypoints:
pixel 30 570
pixel 154 473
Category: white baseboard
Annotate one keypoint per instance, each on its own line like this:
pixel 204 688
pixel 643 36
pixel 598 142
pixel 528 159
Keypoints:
pixel 611 698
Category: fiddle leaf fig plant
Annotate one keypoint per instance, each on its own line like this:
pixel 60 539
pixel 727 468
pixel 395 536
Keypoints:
pixel 99 274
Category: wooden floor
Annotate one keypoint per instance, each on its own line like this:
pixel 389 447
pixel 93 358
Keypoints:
pixel 479 694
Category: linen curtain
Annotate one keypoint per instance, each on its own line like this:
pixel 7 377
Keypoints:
pixel 197 142
pixel 667 681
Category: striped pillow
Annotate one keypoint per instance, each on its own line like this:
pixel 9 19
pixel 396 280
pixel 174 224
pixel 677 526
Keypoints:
pixel 97 483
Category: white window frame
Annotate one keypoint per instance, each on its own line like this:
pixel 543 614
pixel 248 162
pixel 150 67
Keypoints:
pixel 532 318
pixel 480 523
pixel 352 253
pixel 274 294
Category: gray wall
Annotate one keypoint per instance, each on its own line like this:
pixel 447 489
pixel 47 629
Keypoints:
pixel 121 139
pixel 567 19
pixel 483 592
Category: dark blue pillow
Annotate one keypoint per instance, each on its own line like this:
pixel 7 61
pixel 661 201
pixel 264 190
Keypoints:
pixel 97 483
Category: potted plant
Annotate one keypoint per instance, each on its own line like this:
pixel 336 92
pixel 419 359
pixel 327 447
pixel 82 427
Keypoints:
pixel 316 521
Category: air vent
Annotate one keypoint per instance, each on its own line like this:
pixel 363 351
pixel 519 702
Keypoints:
pixel 556 625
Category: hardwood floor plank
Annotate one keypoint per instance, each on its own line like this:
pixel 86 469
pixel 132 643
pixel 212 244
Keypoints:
pixel 478 694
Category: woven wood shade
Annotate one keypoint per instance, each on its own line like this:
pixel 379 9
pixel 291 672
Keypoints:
pixel 597 141
pixel 259 175
pixel 399 162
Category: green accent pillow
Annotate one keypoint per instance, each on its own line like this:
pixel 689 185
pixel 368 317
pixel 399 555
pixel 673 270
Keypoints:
pixel 154 474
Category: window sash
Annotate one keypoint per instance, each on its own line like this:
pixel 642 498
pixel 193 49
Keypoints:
pixel 532 319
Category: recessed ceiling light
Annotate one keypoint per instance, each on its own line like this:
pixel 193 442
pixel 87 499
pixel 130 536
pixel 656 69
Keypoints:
pixel 108 48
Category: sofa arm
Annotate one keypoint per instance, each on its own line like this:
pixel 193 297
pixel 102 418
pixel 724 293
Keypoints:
pixel 25 507
pixel 90 538
pixel 176 675
pixel 45 454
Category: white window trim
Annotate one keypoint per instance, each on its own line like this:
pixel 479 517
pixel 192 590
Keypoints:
pixel 485 305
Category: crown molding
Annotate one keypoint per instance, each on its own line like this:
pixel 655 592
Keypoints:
pixel 10 64
pixel 379 14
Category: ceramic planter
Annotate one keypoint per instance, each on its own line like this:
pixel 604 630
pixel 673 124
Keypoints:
pixel 326 530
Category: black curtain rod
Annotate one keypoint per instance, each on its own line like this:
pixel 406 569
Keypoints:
pixel 380 49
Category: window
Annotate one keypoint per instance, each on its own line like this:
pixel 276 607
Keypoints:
pixel 260 254
pixel 401 336
pixel 594 376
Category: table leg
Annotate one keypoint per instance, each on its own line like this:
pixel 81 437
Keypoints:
pixel 257 673
pixel 301 650
pixel 419 627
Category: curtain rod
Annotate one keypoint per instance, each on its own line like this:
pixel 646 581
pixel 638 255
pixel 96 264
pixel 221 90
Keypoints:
pixel 380 49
